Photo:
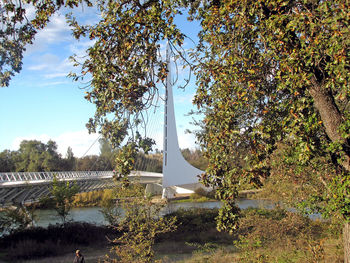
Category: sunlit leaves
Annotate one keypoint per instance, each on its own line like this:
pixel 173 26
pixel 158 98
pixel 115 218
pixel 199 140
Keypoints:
pixel 269 72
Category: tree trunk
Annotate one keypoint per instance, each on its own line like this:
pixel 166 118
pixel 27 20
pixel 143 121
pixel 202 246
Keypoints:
pixel 346 238
pixel 330 115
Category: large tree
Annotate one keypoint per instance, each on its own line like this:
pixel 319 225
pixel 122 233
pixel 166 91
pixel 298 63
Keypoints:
pixel 276 74
pixel 269 73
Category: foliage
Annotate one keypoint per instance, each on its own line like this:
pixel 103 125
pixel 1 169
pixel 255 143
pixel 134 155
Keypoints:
pixel 36 156
pixel 124 62
pixel 94 198
pixel 54 240
pixel 140 225
pixel 15 219
pixel 126 156
pixel 272 72
pixel 107 155
pixel 195 219
pixel 63 194
pixel 196 158
pixel 70 160
pixel 109 209
pixel 7 163
pixel 18 30
pixel 281 236
pixel 149 162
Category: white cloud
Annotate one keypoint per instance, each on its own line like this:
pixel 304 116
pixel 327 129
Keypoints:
pixel 54 83
pixel 46 62
pixel 80 47
pixel 56 75
pixel 187 140
pixel 56 31
pixel 51 66
pixel 79 141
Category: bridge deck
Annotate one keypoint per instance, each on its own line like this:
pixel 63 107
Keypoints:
pixel 30 186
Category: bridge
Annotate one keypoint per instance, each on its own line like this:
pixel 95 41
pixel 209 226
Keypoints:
pixel 178 175
pixel 31 186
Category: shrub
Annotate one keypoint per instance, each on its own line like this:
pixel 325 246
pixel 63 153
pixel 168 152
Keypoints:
pixel 37 242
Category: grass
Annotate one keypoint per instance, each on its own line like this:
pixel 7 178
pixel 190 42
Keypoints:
pixel 276 236
pixel 264 236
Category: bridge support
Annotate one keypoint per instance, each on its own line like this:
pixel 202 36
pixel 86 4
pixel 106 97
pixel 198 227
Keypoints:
pixel 176 170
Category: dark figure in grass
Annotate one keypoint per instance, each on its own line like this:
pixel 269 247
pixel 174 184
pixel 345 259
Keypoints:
pixel 79 258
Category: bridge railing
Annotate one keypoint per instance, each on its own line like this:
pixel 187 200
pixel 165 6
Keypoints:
pixel 36 176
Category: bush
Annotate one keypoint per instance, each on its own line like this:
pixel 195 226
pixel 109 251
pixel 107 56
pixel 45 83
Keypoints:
pixel 201 195
pixel 278 235
pixel 37 242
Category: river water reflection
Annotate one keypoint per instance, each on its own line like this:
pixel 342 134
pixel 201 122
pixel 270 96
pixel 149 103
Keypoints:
pixel 93 214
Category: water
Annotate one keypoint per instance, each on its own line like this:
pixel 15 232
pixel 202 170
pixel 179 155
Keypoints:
pixel 93 214
pixel 44 217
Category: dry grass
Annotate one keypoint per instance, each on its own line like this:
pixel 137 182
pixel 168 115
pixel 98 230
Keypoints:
pixel 278 236
pixel 264 236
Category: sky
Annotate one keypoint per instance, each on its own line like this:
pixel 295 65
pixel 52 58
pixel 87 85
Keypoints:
pixel 42 103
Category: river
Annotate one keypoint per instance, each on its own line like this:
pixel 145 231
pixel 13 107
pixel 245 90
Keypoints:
pixel 44 217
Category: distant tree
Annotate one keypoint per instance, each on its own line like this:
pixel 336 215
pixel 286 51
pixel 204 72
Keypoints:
pixel 107 155
pixel 70 161
pixel 86 162
pixel 195 157
pixel 52 159
pixel 35 156
pixel 7 161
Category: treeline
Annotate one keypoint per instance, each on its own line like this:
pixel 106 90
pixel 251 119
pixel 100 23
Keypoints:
pixel 36 156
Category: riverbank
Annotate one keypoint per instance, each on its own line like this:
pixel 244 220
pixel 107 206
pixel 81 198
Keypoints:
pixel 264 236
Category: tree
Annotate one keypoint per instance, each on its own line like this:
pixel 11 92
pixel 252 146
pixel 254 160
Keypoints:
pixel 7 163
pixel 16 218
pixel 276 72
pixel 70 160
pixel 35 156
pixel 140 225
pixel 62 194
pixel 107 155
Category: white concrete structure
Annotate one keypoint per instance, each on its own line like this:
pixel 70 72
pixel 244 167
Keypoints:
pixel 176 170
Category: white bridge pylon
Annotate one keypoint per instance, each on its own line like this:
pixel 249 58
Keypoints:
pixel 177 172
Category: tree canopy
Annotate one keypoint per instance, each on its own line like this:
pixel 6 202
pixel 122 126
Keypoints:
pixel 274 72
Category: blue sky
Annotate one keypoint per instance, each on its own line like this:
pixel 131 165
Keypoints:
pixel 42 103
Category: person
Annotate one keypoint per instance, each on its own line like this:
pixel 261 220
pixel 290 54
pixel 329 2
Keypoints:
pixel 79 258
